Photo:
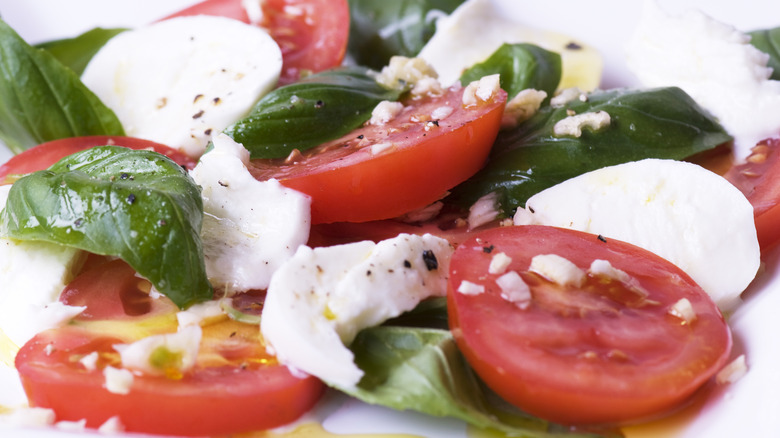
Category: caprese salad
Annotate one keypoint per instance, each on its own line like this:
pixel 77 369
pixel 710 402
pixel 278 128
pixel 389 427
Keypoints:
pixel 216 218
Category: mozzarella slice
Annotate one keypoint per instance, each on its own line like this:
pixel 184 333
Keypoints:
pixel 477 28
pixel 715 64
pixel 680 211
pixel 319 300
pixel 32 275
pixel 250 227
pixel 181 80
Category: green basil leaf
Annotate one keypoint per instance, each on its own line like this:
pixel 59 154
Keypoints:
pixel 42 100
pixel 521 66
pixel 422 370
pixel 768 41
pixel 658 123
pixel 76 52
pixel 380 29
pixel 137 205
pixel 322 107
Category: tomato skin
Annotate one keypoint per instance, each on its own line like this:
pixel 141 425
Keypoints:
pixel 312 34
pixel 44 155
pixel 759 180
pixel 592 358
pixel 209 401
pixel 349 183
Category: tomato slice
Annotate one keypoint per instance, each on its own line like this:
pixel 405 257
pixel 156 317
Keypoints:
pixel 235 386
pixel 249 393
pixel 45 154
pixel 384 171
pixel 312 34
pixel 606 352
pixel 759 180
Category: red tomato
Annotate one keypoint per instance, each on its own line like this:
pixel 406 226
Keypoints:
pixel 122 294
pixel 235 386
pixel 384 171
pixel 45 154
pixel 312 34
pixel 759 179
pixel 239 392
pixel 606 352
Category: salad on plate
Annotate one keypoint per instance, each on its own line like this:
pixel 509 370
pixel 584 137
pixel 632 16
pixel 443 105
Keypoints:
pixel 450 218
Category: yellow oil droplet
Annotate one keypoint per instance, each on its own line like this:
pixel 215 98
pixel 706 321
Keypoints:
pixel 8 350
pixel 671 425
pixel 315 430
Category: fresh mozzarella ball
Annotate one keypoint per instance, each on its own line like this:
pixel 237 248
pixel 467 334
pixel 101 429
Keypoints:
pixel 250 227
pixel 181 80
pixel 477 28
pixel 679 211
pixel 715 64
pixel 319 300
pixel 32 275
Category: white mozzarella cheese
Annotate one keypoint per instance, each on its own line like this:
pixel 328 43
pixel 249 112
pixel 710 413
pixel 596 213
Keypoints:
pixel 679 211
pixel 32 275
pixel 715 64
pixel 477 28
pixel 181 80
pixel 250 227
pixel 319 300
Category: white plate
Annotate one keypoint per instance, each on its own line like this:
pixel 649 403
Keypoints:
pixel 748 407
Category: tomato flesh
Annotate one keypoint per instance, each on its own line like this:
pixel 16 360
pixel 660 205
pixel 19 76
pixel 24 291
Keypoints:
pixel 759 180
pixel 311 34
pixel 44 155
pixel 235 386
pixel 606 352
pixel 383 171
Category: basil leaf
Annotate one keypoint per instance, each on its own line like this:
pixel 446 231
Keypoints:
pixel 520 66
pixel 322 107
pixel 78 51
pixel 137 205
pixel 42 100
pixel 380 29
pixel 768 41
pixel 422 370
pixel 659 123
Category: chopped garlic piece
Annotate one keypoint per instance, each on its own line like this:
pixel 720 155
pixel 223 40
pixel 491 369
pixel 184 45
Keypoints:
pixel 469 288
pixel 683 310
pixel 522 107
pixel 572 126
pixel 557 269
pixel 160 354
pixel 90 361
pixel 118 380
pixel 112 426
pixel 733 371
pixel 384 112
pixel 565 96
pixel 481 90
pixel 605 268
pixel 499 263
pixel 514 289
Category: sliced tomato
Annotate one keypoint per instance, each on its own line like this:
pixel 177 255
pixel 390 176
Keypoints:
pixel 759 179
pixel 610 350
pixel 249 392
pixel 235 386
pixel 45 154
pixel 123 294
pixel 384 171
pixel 312 34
